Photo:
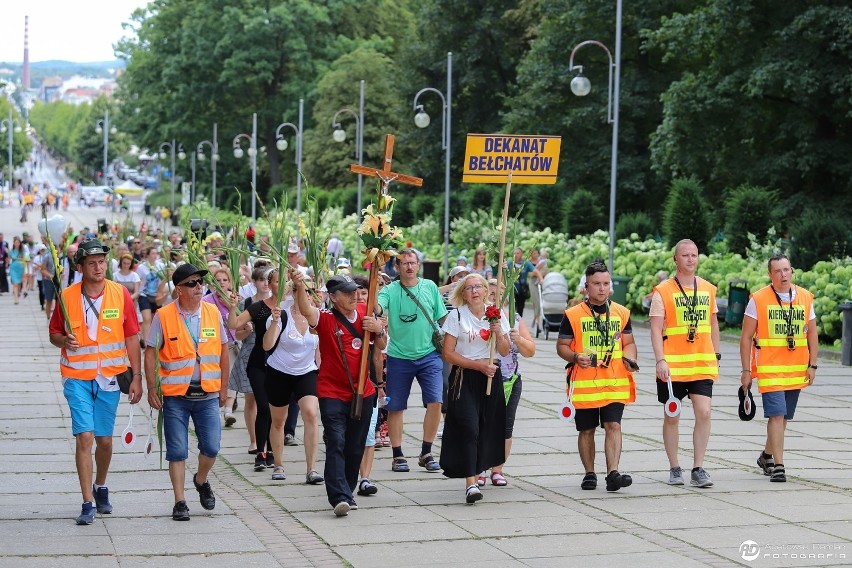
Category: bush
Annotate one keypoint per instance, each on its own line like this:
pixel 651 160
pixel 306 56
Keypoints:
pixel 819 234
pixel 582 213
pixel 637 222
pixel 685 213
pixel 477 197
pixel 749 209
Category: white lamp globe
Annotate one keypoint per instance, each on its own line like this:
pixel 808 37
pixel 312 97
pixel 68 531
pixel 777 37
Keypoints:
pixel 421 119
pixel 581 86
pixel 339 135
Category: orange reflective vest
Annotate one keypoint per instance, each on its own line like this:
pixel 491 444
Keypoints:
pixel 688 360
pixel 108 351
pixel 179 354
pixel 775 366
pixel 598 386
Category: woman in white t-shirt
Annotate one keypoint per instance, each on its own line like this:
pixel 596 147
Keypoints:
pixel 475 423
pixel 129 279
pixel 291 370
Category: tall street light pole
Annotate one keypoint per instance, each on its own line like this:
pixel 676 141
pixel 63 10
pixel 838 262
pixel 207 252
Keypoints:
pixel 214 157
pixel 339 135
pixel 421 119
pixel 172 146
pixel 281 144
pixel 252 152
pixel 581 87
pixel 104 127
pixel 9 125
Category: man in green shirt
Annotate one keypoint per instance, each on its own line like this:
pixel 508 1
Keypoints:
pixel 415 309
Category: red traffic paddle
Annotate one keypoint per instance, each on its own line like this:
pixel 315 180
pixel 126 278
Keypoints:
pixel 567 411
pixel 128 438
pixel 672 407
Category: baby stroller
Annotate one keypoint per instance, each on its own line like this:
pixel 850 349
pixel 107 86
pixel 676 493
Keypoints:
pixel 554 301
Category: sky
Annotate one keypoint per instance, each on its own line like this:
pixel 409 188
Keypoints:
pixel 79 31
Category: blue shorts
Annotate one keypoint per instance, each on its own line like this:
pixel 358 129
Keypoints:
pixel 92 409
pixel 205 419
pixel 48 289
pixel 780 403
pixel 371 433
pixel 401 373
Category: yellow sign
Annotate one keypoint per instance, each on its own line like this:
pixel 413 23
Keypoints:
pixel 208 332
pixel 531 159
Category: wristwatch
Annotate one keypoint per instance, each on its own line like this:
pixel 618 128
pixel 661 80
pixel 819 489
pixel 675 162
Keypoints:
pixel 814 367
pixel 718 356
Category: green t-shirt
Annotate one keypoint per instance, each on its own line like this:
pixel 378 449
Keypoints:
pixel 411 337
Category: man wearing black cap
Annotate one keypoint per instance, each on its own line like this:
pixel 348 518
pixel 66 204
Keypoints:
pixel 340 332
pixel 193 369
pixel 94 351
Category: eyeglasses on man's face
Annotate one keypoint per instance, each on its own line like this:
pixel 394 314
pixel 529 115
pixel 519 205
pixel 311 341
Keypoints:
pixel 192 283
pixel 408 263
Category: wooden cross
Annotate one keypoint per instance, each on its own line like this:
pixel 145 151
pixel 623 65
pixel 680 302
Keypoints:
pixel 385 174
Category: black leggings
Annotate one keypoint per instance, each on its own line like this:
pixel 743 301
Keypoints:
pixel 257 380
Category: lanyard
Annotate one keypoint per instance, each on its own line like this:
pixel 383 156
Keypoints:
pixel 786 314
pixel 186 318
pixel 690 307
pixel 602 330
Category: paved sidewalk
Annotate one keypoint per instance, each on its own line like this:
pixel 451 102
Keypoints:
pixel 541 519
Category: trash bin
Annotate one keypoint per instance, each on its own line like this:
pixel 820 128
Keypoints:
pixel 737 299
pixel 846 341
pixel 431 271
pixel 619 289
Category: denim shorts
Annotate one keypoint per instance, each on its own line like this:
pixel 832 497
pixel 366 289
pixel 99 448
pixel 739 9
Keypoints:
pixel 401 373
pixel 780 403
pixel 205 419
pixel 48 289
pixel 92 409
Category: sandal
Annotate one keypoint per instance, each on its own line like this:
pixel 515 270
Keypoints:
pixel 428 462
pixel 400 465
pixel 278 473
pixel 313 478
pixel 590 481
pixel 472 494
pixel 498 479
pixel 480 480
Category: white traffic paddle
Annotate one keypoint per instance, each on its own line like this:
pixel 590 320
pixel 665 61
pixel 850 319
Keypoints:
pixel 567 411
pixel 672 407
pixel 128 438
pixel 149 441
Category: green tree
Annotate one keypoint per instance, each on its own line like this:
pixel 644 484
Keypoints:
pixel 582 213
pixel 21 145
pixel 762 98
pixel 685 214
pixel 749 209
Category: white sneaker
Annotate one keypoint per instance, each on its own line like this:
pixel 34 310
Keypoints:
pixel 342 509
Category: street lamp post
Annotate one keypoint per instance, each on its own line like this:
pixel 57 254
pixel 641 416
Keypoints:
pixel 214 157
pixel 281 144
pixel 104 127
pixel 421 119
pixel 252 152
pixel 9 125
pixel 172 146
pixel 339 135
pixel 581 87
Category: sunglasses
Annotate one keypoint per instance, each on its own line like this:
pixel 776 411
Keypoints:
pixel 192 283
pixel 407 318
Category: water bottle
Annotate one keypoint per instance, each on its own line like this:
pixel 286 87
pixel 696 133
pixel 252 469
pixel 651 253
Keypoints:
pixel 383 401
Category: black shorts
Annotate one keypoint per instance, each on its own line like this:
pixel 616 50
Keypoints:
pixel 147 303
pixel 280 386
pixel 589 418
pixel 704 387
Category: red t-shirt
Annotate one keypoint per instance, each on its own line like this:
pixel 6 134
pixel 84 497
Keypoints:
pixel 332 381
pixel 131 322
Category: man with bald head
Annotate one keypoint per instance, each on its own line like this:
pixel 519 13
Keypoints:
pixel 685 338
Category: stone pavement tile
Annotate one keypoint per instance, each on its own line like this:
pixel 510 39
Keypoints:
pixel 337 531
pixel 64 560
pixel 683 502
pixel 224 560
pixel 82 543
pixel 200 543
pixel 515 510
pixel 731 517
pixel 14 412
pixel 608 560
pixel 371 515
pixel 566 523
pixel 457 495
pixel 143 526
pixel 15 447
pixel 840 529
pixel 560 546
pixel 469 553
pixel 24 529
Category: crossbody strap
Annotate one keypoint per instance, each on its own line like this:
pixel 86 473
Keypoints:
pixel 339 335
pixel 419 305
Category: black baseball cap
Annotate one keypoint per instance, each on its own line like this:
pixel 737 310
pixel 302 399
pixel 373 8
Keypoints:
pixel 184 271
pixel 746 410
pixel 89 248
pixel 341 283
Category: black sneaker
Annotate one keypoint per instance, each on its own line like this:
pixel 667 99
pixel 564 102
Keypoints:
pixel 270 459
pixel 367 488
pixel 779 475
pixel 353 506
pixel 590 481
pixel 205 493
pixel 615 481
pixel 260 461
pixel 87 515
pixel 102 500
pixel 766 464
pixel 180 511
pixel 290 440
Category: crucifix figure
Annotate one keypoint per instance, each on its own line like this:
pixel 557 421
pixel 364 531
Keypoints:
pixel 385 174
